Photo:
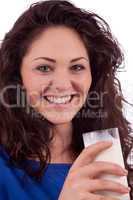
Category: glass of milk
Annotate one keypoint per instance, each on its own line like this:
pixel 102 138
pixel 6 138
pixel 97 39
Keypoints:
pixel 112 154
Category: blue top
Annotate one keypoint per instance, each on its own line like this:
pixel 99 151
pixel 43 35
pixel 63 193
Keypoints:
pixel 13 186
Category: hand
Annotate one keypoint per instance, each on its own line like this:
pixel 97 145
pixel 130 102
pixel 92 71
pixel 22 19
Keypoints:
pixel 82 180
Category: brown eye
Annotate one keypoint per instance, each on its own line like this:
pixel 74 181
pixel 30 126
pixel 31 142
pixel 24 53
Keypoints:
pixel 77 67
pixel 44 68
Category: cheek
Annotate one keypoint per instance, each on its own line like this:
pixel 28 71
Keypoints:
pixel 34 86
pixel 33 83
pixel 86 82
pixel 84 86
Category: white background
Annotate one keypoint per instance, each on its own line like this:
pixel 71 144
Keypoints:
pixel 119 16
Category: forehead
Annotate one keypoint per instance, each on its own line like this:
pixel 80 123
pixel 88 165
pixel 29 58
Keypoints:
pixel 57 41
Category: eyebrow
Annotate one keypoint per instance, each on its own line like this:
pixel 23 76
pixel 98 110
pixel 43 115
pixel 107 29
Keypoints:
pixel 54 61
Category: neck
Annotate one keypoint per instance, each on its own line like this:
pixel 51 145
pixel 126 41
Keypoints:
pixel 60 147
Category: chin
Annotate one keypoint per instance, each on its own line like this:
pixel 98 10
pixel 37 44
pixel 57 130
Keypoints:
pixel 59 117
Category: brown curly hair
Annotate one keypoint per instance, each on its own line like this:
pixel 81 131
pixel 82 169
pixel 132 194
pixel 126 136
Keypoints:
pixel 22 135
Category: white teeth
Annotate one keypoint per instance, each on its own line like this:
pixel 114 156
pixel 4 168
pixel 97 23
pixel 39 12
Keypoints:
pixel 59 100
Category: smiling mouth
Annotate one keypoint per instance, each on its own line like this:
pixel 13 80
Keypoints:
pixel 59 100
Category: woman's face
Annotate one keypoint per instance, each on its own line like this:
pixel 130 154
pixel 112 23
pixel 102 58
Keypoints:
pixel 56 74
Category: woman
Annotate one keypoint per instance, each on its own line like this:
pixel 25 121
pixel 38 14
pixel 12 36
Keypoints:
pixel 58 68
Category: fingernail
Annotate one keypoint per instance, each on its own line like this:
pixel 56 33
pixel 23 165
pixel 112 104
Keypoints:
pixel 125 171
pixel 127 189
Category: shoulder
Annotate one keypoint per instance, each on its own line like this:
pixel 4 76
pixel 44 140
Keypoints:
pixel 4 158
pixel 8 173
pixel 9 176
pixel 4 173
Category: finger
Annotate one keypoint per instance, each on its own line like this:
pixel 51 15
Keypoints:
pixel 106 185
pixel 89 153
pixel 95 169
pixel 99 197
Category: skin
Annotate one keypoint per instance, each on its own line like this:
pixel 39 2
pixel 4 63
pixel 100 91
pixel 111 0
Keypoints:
pixel 63 44
pixel 83 177
pixel 59 78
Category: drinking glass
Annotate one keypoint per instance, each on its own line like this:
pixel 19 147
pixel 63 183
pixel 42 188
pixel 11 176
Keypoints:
pixel 112 154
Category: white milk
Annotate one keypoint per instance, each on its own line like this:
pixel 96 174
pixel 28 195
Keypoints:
pixel 112 154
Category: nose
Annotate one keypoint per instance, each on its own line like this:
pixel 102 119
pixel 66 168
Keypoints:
pixel 62 83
